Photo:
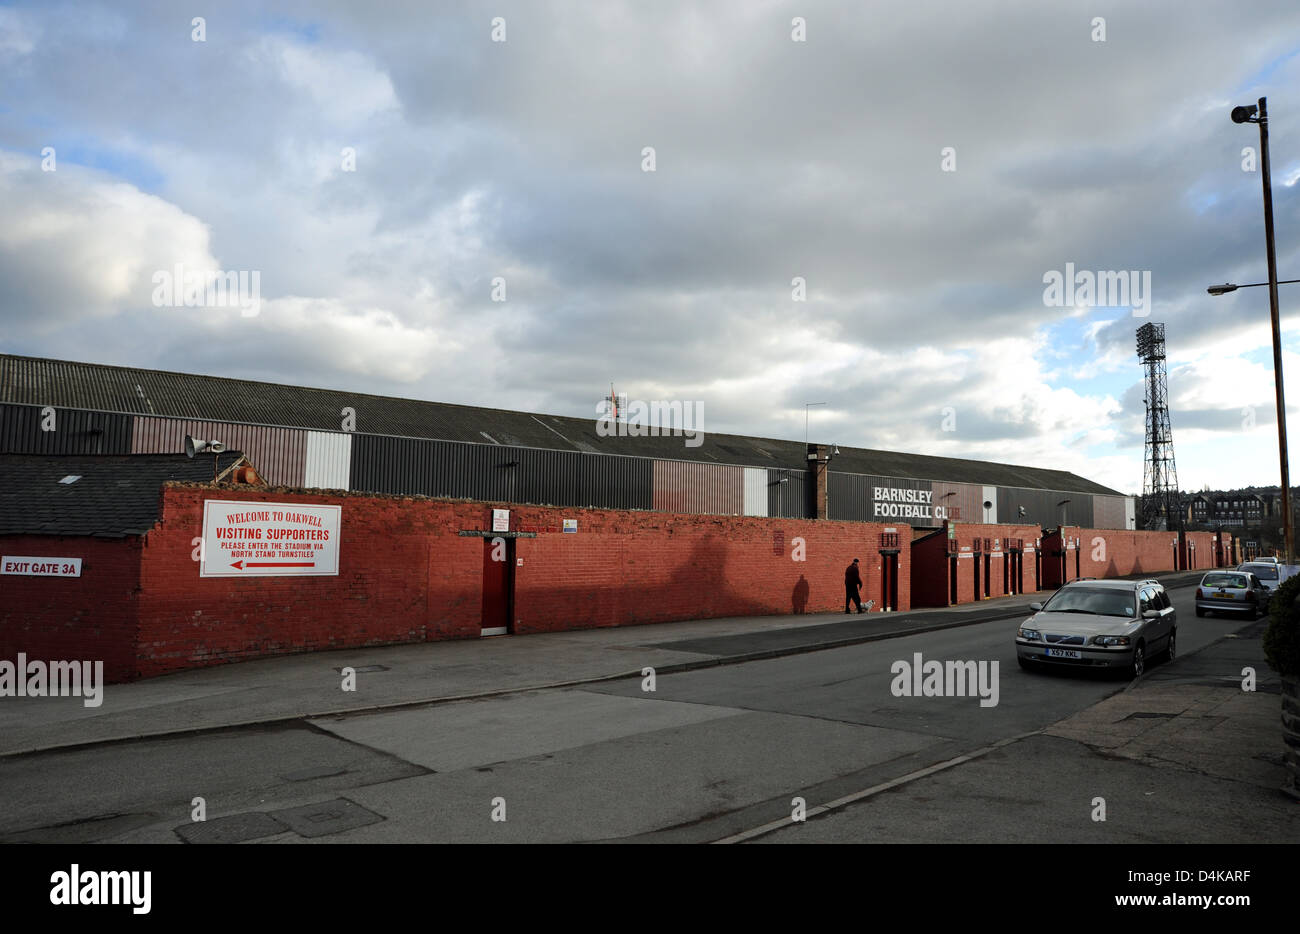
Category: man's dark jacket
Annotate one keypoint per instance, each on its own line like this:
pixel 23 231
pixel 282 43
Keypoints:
pixel 852 579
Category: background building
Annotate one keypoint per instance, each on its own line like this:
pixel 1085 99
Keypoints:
pixel 1254 514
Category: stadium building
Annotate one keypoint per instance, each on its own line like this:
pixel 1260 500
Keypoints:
pixel 334 520
pixel 294 437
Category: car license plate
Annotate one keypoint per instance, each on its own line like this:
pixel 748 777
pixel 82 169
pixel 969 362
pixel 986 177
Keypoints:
pixel 1223 596
pixel 1062 653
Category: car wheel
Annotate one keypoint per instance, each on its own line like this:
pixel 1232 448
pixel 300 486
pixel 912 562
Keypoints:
pixel 1139 662
pixel 1025 663
pixel 1172 649
pixel 1200 612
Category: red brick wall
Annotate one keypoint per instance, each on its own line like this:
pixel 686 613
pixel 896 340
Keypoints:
pixel 970 539
pixel 931 566
pixel 1229 550
pixel 407 576
pixel 1196 550
pixel 88 618
pixel 624 568
pixel 404 576
pixel 1107 553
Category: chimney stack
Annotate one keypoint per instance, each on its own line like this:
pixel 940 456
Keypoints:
pixel 818 458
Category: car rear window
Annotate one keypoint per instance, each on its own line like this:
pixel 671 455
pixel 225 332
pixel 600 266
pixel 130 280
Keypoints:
pixel 1233 581
pixel 1263 571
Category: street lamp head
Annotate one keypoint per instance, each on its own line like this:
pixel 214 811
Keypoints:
pixel 1221 289
pixel 1243 114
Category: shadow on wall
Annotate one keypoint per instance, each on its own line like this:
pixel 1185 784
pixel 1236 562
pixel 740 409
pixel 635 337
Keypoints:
pixel 799 599
pixel 697 587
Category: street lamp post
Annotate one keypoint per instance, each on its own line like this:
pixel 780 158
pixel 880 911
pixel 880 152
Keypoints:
pixel 1259 114
pixel 1232 286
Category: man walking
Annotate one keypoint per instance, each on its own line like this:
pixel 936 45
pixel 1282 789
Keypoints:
pixel 852 584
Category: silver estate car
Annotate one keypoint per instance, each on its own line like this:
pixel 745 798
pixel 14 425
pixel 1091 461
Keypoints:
pixel 1100 624
pixel 1230 591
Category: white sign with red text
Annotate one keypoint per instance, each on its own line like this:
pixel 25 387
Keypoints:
pixel 40 566
pixel 251 539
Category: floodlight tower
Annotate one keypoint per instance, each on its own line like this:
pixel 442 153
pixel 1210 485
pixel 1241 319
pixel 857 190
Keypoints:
pixel 1160 501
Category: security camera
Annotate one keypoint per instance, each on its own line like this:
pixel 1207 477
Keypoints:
pixel 1244 113
pixel 836 449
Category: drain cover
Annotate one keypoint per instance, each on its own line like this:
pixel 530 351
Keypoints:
pixel 1145 715
pixel 328 817
pixel 234 828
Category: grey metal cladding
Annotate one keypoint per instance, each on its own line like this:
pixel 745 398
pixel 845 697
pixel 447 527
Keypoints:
pixel 278 454
pixel 1041 507
pixel 498 473
pixel 852 497
pixel 787 500
pixel 618 482
pixel 75 431
pixel 692 487
pixel 1108 512
pixel 959 502
pixel 848 497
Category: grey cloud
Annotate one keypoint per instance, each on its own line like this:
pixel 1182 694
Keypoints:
pixel 775 160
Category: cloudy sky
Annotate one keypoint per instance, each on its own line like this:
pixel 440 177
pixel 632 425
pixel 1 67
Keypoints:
pixel 380 164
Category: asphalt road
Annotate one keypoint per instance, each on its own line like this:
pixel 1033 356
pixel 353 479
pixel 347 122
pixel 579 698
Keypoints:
pixel 710 753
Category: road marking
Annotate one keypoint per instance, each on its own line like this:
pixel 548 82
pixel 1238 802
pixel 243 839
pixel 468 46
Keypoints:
pixel 775 825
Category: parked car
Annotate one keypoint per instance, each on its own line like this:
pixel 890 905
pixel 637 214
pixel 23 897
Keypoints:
pixel 1231 592
pixel 1109 624
pixel 1269 574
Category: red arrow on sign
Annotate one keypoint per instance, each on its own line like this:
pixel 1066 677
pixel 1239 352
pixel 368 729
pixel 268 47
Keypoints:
pixel 240 565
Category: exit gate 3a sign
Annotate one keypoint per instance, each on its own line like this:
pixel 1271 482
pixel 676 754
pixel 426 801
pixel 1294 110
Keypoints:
pixel 249 539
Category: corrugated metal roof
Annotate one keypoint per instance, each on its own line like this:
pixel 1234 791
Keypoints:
pixel 116 495
pixel 38 381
